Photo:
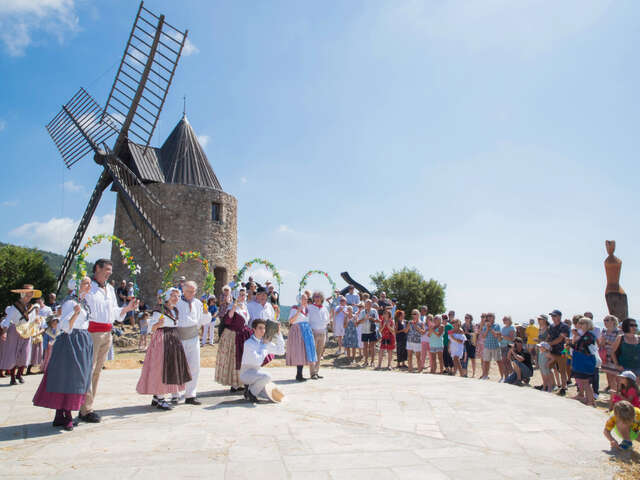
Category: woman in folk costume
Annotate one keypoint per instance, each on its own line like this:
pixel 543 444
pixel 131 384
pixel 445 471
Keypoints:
pixel 68 374
pixel 301 347
pixel 48 339
pixel 165 369
pixel 16 350
pixel 234 333
pixel 37 347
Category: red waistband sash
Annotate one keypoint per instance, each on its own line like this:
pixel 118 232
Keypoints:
pixel 95 327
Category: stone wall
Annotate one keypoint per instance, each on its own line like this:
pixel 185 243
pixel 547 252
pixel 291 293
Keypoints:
pixel 186 224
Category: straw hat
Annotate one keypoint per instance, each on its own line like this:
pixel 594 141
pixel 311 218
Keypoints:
pixel 272 391
pixel 28 288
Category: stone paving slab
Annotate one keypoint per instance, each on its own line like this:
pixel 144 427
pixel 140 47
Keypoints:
pixel 350 425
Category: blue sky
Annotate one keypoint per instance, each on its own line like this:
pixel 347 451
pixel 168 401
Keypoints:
pixel 490 144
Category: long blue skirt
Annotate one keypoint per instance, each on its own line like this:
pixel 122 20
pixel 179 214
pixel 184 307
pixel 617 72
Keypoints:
pixel 69 369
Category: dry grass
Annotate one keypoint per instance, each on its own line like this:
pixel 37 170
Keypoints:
pixel 627 464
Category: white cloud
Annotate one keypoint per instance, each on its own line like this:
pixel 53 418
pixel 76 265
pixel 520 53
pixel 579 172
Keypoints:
pixel 70 186
pixel 243 179
pixel 9 203
pixel 3 125
pixel 55 235
pixel 20 19
pixel 525 26
pixel 285 229
pixel 204 140
pixel 189 48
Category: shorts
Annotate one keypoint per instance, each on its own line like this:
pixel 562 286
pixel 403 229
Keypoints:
pixel 414 347
pixel 436 349
pixel 504 351
pixel 561 362
pixel 369 337
pixel 489 354
pixel 471 349
pixel 144 331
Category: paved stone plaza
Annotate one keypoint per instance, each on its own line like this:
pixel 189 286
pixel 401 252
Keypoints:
pixel 351 425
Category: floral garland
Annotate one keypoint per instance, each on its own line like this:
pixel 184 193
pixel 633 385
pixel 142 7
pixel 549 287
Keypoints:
pixel 179 259
pixel 259 261
pixel 303 282
pixel 125 253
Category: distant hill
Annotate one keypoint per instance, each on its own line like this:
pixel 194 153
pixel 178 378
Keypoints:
pixel 53 260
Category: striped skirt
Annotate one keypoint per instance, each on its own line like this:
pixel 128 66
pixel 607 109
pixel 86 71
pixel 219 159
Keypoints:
pixel 301 347
pixel 226 373
pixel 165 368
pixel 36 354
pixel 16 351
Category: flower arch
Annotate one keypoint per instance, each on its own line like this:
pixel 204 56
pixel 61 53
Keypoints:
pixel 125 253
pixel 303 282
pixel 179 259
pixel 259 261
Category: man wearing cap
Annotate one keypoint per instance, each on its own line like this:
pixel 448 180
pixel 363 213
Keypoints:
pixel 16 350
pixel 558 333
pixel 103 312
pixel 191 316
pixel 259 308
pixel 255 351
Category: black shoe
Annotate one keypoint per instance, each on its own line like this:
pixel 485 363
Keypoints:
pixel 301 379
pixel 154 402
pixel 163 405
pixel 236 390
pixel 250 396
pixel 315 377
pixel 20 379
pixel 91 417
pixel 569 382
pixel 562 392
pixel 539 387
pixel 174 400
pixel 68 426
pixel 192 401
pixel 13 382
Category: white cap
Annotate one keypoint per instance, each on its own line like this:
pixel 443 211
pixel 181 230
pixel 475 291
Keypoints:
pixel 628 374
pixel 168 293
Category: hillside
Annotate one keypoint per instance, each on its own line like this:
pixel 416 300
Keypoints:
pixel 53 260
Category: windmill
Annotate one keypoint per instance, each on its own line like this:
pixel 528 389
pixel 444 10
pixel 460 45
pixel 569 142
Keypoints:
pixel 131 114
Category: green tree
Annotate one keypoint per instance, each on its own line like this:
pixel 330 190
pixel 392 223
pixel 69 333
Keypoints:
pixel 20 265
pixel 411 289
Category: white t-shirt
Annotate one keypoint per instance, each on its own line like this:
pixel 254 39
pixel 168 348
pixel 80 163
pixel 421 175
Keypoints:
pixel 318 317
pixel 367 316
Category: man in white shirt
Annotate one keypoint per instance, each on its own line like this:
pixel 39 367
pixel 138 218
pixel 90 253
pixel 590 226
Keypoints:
pixel 103 311
pixel 260 308
pixel 318 321
pixel 368 317
pixel 257 380
pixel 191 316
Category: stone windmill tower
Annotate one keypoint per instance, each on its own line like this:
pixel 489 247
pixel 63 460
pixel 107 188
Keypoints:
pixel 196 215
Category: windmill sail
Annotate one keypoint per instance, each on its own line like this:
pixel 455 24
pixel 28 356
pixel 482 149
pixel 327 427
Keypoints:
pixel 144 76
pixel 131 113
pixel 80 126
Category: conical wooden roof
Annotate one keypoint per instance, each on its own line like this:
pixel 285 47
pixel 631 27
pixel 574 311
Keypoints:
pixel 183 161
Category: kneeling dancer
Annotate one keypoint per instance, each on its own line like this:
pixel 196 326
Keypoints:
pixel 165 369
pixel 257 380
pixel 67 377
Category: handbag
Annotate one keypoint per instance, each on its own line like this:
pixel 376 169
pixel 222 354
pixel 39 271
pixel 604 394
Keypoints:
pixel 582 363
